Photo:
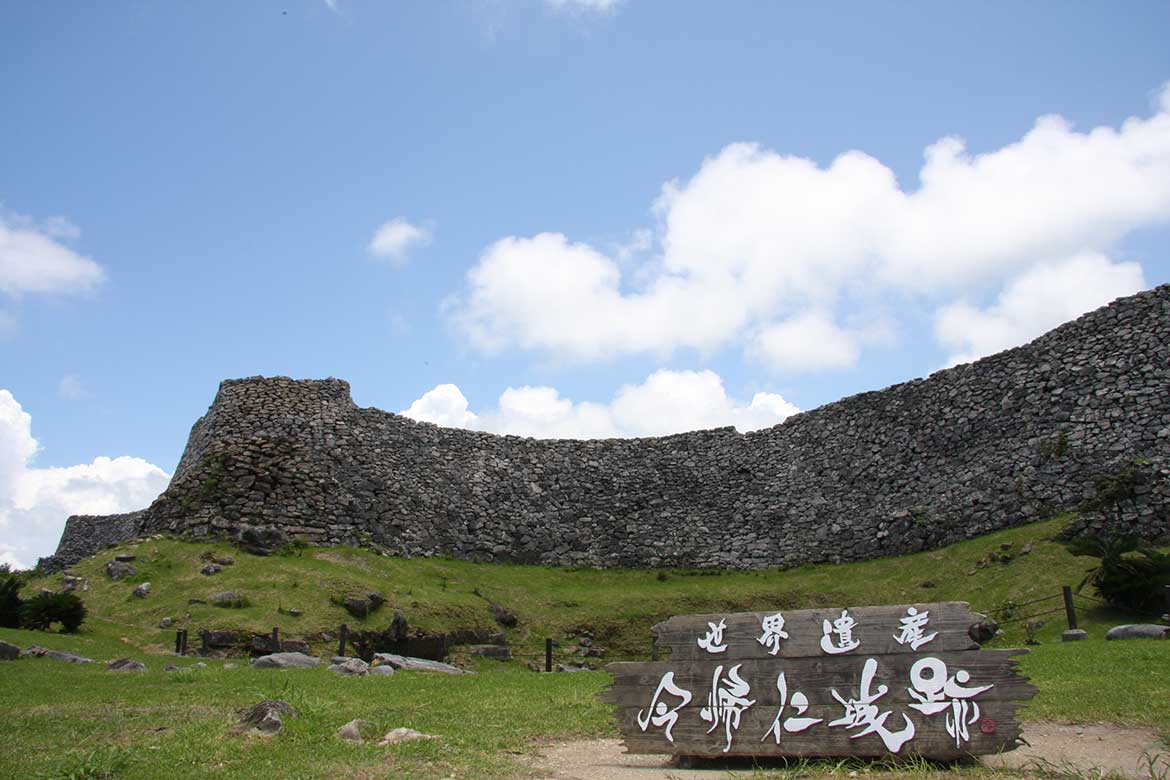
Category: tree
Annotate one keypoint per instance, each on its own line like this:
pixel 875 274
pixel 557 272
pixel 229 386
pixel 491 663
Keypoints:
pixel 44 609
pixel 10 602
pixel 1131 574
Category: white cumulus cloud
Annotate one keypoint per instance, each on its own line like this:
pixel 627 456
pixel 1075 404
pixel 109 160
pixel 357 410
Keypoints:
pixel 33 259
pixel 666 402
pixel 396 239
pixel 809 341
pixel 444 405
pixel 34 502
pixel 1038 300
pixel 766 252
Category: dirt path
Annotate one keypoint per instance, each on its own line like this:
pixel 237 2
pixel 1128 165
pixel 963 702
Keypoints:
pixel 1089 748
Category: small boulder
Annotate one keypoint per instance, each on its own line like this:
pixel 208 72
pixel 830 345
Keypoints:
pixel 125 665
pixel 571 668
pixel 381 671
pixel 9 651
pixel 170 668
pixel 295 612
pixel 211 568
pixel 230 665
pixel 166 623
pixel 228 600
pixel 125 557
pixel 36 651
pixel 353 730
pixel 505 617
pixel 1139 631
pixel 143 590
pixel 983 631
pixel 352 667
pixel 285 661
pixel 267 717
pixel 362 606
pixel 416 664
pixel 400 735
pixel 70 583
pixel 119 570
pixel 224 560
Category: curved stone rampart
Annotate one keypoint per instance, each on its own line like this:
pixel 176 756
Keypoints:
pixel 1009 439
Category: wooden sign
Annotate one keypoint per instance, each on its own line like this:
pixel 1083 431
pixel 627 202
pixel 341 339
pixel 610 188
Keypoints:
pixel 902 680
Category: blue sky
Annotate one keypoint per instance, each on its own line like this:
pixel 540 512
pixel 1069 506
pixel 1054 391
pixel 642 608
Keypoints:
pixel 595 217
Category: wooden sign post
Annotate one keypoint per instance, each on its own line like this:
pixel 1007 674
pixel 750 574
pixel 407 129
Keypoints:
pixel 903 680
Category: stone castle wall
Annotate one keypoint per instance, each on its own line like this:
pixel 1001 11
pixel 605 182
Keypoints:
pixel 1012 438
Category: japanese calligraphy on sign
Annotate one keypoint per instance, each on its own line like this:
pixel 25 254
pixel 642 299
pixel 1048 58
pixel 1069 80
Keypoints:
pixel 902 680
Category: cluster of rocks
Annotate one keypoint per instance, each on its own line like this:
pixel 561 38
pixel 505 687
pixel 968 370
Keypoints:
pixel 214 564
pixel 267 718
pixel 1012 438
pixel 383 664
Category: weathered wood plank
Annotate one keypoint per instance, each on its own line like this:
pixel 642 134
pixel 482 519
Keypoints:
pixel 876 630
pixel 941 698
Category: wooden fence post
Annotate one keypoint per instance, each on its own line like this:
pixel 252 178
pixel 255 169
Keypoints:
pixel 654 648
pixel 203 640
pixel 275 639
pixel 178 641
pixel 548 645
pixel 344 635
pixel 183 646
pixel 1070 611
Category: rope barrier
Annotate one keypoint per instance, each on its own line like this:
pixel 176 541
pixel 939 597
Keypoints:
pixel 1031 617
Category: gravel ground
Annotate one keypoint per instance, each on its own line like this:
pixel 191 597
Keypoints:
pixel 1087 748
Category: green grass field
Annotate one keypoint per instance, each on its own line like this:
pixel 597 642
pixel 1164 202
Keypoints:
pixel 617 607
pixel 78 721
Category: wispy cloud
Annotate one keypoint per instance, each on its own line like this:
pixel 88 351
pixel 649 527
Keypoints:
pixel 394 240
pixel 583 6
pixel 70 388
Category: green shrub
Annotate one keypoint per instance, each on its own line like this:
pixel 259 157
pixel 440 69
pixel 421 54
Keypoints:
pixel 43 610
pixel 10 602
pixel 1131 574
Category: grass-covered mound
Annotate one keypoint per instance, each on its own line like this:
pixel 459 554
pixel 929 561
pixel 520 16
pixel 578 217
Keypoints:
pixel 616 607
pixel 65 720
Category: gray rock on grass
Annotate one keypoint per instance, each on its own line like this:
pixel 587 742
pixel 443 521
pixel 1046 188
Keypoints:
pixel 416 664
pixel 36 651
pixel 267 717
pixel 354 730
pixel 9 651
pixel 125 665
pixel 352 667
pixel 227 599
pixel 400 735
pixel 119 570
pixel 285 661
pixel 143 590
pixel 1139 631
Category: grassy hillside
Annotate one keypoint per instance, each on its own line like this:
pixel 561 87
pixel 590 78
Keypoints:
pixel 73 721
pixel 616 607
